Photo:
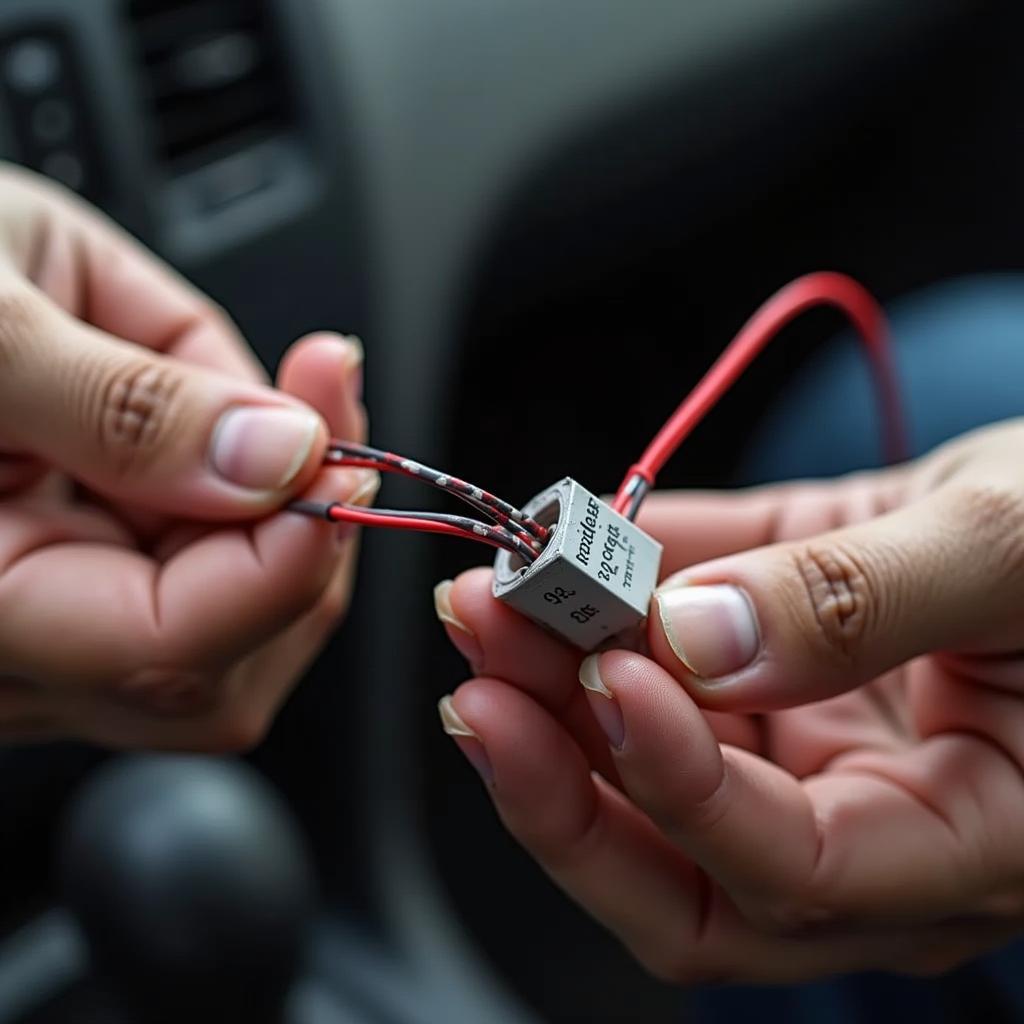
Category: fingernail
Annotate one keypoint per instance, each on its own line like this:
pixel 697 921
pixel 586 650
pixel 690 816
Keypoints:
pixel 355 366
pixel 602 701
pixel 365 490
pixel 711 629
pixel 468 741
pixel 261 447
pixel 460 634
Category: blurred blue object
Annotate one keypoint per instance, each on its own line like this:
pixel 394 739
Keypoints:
pixel 959 351
pixel 960 354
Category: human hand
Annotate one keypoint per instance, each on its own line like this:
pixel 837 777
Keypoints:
pixel 820 767
pixel 133 421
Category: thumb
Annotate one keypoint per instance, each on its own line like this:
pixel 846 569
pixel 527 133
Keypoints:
pixel 802 621
pixel 146 428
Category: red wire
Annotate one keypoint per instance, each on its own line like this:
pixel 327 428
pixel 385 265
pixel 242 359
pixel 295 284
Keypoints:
pixel 819 289
pixel 523 526
pixel 365 517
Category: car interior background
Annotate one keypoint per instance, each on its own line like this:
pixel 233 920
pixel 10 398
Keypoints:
pixel 603 189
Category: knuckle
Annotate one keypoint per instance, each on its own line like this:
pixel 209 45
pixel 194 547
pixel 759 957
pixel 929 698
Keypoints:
pixel 988 505
pixel 134 411
pixel 239 730
pixel 19 314
pixel 841 589
pixel 217 317
pixel 660 811
pixel 994 514
pixel 171 692
pixel 702 816
pixel 790 907
pixel 788 914
pixel 674 966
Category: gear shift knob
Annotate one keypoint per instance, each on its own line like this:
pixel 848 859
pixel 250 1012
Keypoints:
pixel 192 885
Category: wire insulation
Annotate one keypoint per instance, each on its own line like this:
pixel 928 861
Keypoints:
pixel 348 453
pixel 511 529
pixel 425 522
pixel 819 289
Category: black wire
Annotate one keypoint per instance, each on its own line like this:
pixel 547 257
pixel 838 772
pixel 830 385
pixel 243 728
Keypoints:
pixel 472 528
pixel 508 540
pixel 504 514
pixel 637 489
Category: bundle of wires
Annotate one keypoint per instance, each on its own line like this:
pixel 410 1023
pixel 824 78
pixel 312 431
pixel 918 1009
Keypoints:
pixel 508 527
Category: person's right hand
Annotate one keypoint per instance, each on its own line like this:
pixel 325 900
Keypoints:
pixel 819 768
pixel 133 421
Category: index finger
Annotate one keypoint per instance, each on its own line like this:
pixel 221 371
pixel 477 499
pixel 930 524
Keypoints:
pixel 698 526
pixel 877 837
pixel 509 647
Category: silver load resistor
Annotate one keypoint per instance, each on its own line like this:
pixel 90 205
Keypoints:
pixel 596 575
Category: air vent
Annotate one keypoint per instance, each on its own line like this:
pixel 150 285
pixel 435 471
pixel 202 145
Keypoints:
pixel 213 76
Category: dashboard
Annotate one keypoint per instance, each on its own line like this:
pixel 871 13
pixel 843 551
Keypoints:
pixel 444 179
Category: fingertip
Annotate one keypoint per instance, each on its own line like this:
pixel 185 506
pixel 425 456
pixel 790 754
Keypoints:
pixel 634 677
pixel 451 721
pixel 471 594
pixel 462 606
pixel 507 721
pixel 360 486
pixel 320 350
pixel 603 705
pixel 340 355
pixel 466 739
pixel 461 636
pixel 542 781
pixel 485 704
pixel 326 370
pixel 472 717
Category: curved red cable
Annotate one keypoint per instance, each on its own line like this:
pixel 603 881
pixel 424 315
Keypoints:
pixel 824 288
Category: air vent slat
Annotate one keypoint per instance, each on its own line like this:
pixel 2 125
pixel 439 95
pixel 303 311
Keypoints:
pixel 158 35
pixel 212 75
pixel 226 113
